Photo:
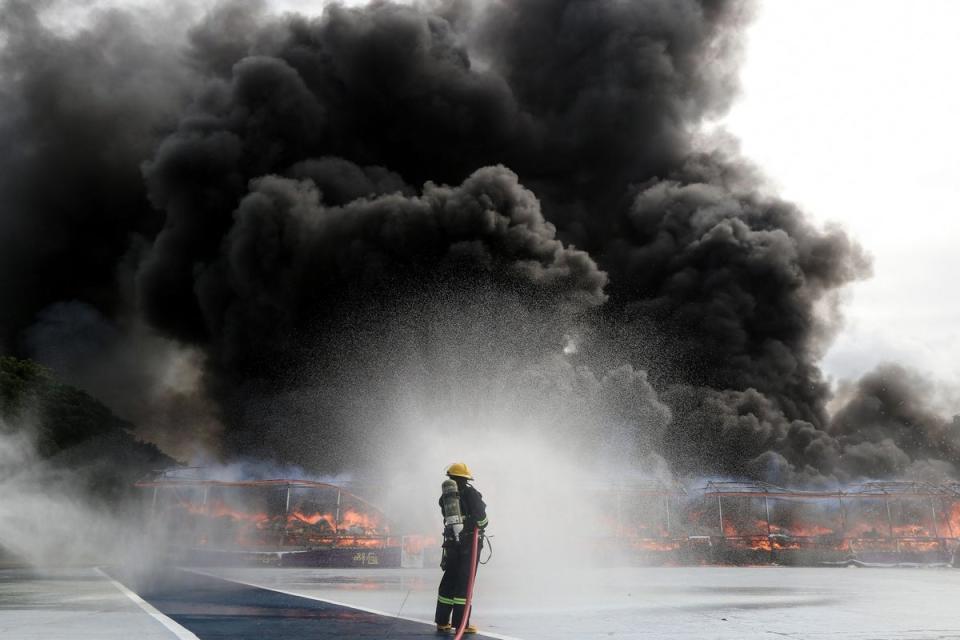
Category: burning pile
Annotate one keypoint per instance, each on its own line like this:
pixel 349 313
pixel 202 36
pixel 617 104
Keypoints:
pixel 266 515
pixel 736 522
pixel 722 522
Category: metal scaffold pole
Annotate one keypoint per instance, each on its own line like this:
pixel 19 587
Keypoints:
pixel 843 516
pixel 843 522
pixel 896 540
pixel 619 511
pixel 936 530
pixel 336 518
pixel 666 507
pixel 766 508
pixel 947 518
pixel 720 507
pixel 286 518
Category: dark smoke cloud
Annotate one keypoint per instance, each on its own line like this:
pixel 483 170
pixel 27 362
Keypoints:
pixel 890 420
pixel 746 434
pixel 141 374
pixel 78 114
pixel 388 98
pixel 740 274
pixel 287 251
pixel 289 258
pixel 739 282
pixel 332 208
pixel 888 424
pixel 614 89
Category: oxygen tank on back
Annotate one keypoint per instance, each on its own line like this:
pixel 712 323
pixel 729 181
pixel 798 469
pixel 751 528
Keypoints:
pixel 452 518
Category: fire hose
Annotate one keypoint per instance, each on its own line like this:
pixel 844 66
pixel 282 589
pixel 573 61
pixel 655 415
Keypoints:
pixel 473 576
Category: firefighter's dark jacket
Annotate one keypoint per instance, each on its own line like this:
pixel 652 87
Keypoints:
pixel 472 507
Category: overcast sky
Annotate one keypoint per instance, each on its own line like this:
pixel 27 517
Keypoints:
pixel 851 107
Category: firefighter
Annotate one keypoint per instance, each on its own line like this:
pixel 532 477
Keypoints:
pixel 463 511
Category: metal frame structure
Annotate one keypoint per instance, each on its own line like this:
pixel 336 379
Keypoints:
pixel 165 481
pixel 883 490
pixel 668 517
pixel 653 489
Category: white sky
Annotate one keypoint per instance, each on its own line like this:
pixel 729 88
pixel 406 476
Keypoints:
pixel 851 108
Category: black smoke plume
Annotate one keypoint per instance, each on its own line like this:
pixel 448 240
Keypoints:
pixel 324 209
pixel 891 417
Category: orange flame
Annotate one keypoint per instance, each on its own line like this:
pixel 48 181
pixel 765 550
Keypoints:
pixel 417 543
pixel 300 527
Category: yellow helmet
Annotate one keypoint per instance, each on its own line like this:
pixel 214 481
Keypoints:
pixel 460 470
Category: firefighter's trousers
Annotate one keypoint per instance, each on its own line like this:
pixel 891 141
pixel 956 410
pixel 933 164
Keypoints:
pixel 452 594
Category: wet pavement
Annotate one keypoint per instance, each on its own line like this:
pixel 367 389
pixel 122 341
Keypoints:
pixel 175 603
pixel 216 609
pixel 70 604
pixel 691 602
pixel 724 603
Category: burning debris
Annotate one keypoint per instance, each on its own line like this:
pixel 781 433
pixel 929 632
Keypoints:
pixel 755 522
pixel 288 515
pixel 302 523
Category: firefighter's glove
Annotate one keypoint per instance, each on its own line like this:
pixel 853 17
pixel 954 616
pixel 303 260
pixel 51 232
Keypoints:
pixel 443 560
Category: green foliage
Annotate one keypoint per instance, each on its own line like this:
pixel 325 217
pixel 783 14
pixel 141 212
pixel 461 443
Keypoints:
pixel 18 379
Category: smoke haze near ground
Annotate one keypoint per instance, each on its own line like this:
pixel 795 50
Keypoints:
pixel 305 239
pixel 48 517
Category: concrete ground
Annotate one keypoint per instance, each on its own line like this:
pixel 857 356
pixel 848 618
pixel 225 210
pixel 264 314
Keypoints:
pixel 71 604
pixel 693 602
pixel 735 603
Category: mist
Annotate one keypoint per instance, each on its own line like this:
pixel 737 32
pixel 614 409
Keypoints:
pixel 49 517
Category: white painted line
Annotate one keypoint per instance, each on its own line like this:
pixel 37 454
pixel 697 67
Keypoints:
pixel 385 614
pixel 179 631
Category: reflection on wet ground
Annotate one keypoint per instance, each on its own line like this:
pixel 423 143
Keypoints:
pixel 512 602
pixel 218 609
pixel 725 603
pixel 52 589
pixel 70 604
